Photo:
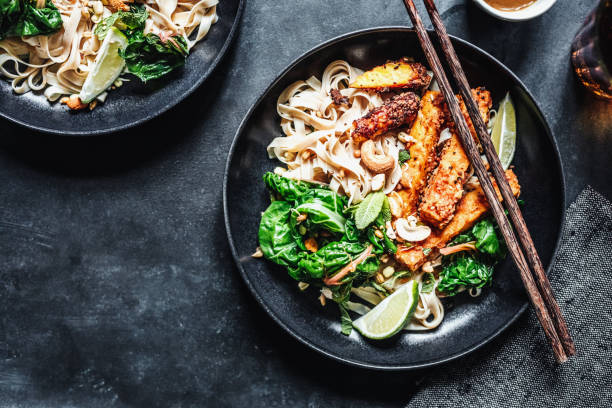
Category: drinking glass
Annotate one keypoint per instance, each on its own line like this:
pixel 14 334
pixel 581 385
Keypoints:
pixel 592 51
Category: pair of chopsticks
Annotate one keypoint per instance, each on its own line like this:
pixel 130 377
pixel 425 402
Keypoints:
pixel 532 274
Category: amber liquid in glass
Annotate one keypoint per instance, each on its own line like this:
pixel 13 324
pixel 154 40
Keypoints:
pixel 592 51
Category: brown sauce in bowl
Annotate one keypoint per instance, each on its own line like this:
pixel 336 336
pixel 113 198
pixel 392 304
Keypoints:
pixel 510 5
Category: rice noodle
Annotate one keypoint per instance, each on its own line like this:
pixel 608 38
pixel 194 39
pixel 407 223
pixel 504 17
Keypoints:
pixel 315 147
pixel 429 305
pixel 58 64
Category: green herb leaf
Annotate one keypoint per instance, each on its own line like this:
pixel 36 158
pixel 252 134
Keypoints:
pixel 379 287
pixel 129 22
pixel 351 233
pixel 464 272
pixel 426 251
pixel 148 57
pixel 403 156
pixel 368 209
pixel 487 241
pixel 384 244
pixel 345 320
pixel 385 212
pixel 462 239
pixel 342 293
pixel 428 282
pixel 22 18
pixel 389 244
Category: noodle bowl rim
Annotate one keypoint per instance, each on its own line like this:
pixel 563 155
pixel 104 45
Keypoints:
pixel 258 102
pixel 146 116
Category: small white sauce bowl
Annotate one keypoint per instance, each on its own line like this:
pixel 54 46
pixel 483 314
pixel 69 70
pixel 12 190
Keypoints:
pixel 527 13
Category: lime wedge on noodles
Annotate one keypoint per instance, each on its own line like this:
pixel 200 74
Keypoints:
pixel 390 315
pixel 504 131
pixel 107 67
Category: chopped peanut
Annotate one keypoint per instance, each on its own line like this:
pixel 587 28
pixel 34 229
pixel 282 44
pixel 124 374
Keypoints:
pixel 73 102
pixel 388 272
pixel 116 5
pixel 427 267
pixel 311 244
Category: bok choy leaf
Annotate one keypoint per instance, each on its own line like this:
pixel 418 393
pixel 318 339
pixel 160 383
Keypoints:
pixel 464 272
pixel 22 18
pixel 148 57
pixel 128 22
pixel 275 239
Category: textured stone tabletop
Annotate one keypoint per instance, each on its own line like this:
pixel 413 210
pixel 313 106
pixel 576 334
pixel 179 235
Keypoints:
pixel 117 288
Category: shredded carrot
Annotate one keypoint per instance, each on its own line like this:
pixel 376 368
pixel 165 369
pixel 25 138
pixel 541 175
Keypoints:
pixel 350 267
pixel 467 246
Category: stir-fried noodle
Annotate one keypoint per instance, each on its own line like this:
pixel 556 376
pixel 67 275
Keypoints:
pixel 58 64
pixel 315 147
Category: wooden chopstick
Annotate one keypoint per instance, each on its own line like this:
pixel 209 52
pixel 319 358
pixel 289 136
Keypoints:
pixel 496 167
pixel 498 212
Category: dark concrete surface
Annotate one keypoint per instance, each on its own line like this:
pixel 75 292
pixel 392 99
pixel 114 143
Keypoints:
pixel 117 288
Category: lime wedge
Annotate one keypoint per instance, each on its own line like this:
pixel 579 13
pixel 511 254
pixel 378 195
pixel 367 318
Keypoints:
pixel 504 131
pixel 107 68
pixel 390 315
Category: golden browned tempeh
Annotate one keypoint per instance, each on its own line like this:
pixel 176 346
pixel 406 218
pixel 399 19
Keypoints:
pixel 445 186
pixel 401 74
pixel 470 208
pixel 424 136
pixel 395 112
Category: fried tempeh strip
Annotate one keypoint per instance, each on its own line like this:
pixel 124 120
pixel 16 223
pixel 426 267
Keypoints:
pixel 397 111
pixel 401 74
pixel 471 207
pixel 424 136
pixel 445 186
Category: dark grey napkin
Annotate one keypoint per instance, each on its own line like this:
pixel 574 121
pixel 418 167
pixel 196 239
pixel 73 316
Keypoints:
pixel 519 369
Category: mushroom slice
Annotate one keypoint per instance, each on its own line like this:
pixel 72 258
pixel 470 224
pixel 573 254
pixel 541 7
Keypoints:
pixel 410 231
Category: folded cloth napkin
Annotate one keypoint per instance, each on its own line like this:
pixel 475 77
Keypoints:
pixel 518 368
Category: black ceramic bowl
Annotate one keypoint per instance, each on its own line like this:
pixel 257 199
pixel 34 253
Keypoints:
pixel 133 103
pixel 469 322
